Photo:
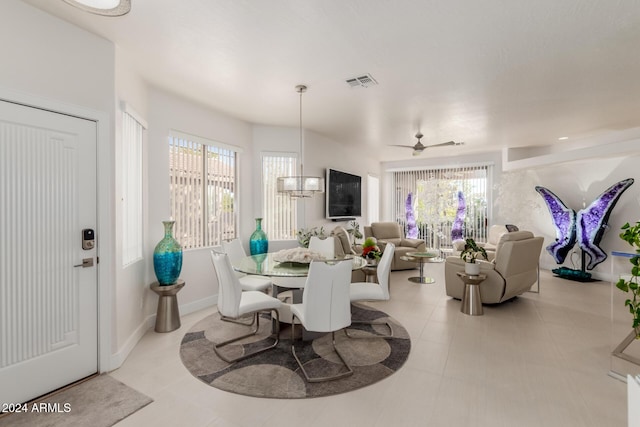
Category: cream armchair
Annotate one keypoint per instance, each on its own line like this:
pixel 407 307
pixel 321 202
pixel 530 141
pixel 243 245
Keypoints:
pixel 513 271
pixel 495 232
pixel 391 232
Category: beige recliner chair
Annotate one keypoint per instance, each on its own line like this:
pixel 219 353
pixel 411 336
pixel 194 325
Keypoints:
pixel 493 237
pixel 513 271
pixel 392 232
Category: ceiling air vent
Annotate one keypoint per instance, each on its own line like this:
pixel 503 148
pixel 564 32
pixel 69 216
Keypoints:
pixel 362 81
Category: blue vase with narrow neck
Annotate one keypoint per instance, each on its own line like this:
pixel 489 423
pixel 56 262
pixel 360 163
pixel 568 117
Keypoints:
pixel 167 257
pixel 258 242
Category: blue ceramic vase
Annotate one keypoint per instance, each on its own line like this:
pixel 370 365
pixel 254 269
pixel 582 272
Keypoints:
pixel 258 242
pixel 167 257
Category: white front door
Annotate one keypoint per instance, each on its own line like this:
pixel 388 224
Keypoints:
pixel 48 299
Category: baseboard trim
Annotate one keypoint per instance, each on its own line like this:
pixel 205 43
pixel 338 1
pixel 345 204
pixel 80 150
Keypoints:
pixel 118 358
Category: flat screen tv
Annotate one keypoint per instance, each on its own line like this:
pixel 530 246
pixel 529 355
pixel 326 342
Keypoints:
pixel 344 195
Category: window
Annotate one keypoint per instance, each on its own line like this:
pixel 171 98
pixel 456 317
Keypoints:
pixel 279 210
pixel 133 128
pixel 203 185
pixel 435 201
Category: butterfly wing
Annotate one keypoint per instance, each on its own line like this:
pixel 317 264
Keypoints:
pixel 564 219
pixel 592 221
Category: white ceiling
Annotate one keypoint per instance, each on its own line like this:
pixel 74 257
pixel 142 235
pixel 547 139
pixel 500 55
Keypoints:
pixel 491 73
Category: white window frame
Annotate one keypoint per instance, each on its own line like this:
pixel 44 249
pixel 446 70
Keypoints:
pixel 436 231
pixel 276 225
pixel 132 172
pixel 202 220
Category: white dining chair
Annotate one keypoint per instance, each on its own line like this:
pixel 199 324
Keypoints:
pixel 325 307
pixel 326 247
pixel 234 303
pixel 367 291
pixel 249 282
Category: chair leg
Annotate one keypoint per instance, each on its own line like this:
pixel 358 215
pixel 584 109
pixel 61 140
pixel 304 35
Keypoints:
pixel 375 335
pixel 256 320
pixel 319 379
pixel 238 322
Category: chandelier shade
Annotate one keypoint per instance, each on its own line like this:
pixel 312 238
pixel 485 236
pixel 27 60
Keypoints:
pixel 300 186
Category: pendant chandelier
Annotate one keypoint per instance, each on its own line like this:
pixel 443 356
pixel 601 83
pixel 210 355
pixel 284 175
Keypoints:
pixel 103 7
pixel 300 186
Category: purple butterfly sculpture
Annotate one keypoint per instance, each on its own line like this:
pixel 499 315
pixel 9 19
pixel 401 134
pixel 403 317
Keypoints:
pixel 586 227
pixel 458 223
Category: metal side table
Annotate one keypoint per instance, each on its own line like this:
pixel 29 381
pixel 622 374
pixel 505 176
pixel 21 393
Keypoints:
pixel 471 302
pixel 168 315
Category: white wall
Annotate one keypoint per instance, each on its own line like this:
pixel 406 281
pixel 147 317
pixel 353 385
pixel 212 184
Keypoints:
pixel 45 61
pixel 577 184
pixel 167 112
pixel 132 281
pixel 320 153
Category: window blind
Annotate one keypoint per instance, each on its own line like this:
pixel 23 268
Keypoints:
pixel 435 201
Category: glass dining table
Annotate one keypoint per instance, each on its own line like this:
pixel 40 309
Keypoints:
pixel 266 265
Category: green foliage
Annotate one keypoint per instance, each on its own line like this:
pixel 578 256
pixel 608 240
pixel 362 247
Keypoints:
pixel 472 250
pixel 354 230
pixel 304 235
pixel 227 202
pixel 369 241
pixel 631 235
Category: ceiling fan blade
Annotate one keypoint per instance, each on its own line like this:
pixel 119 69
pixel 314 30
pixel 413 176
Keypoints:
pixel 398 145
pixel 442 144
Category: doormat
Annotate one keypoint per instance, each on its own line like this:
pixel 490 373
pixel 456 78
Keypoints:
pixel 99 402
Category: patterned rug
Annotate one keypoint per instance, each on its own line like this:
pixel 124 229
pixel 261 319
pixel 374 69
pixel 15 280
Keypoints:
pixel 275 373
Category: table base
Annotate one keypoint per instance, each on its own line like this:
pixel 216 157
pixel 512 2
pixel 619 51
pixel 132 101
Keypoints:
pixel 422 280
pixel 471 302
pixel 168 314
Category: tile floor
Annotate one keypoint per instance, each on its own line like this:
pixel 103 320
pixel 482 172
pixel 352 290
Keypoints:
pixel 540 360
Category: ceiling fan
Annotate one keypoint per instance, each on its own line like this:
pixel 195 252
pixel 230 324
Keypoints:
pixel 419 147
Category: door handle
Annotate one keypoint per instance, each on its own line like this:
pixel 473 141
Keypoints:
pixel 86 262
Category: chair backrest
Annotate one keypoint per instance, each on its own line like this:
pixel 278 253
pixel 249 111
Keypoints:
pixel 234 249
pixel 325 299
pixel 517 252
pixel 384 268
pixel 229 289
pixel 495 232
pixel 342 241
pixel 326 247
pixel 386 230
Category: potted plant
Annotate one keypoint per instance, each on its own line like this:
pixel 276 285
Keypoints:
pixel 371 251
pixel 631 235
pixel 469 254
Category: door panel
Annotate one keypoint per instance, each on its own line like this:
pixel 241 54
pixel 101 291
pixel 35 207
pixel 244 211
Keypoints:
pixel 48 307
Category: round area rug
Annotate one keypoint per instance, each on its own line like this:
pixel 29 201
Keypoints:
pixel 275 373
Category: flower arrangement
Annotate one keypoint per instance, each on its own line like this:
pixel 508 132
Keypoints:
pixel 370 249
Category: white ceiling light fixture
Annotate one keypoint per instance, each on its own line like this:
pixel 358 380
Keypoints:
pixel 102 7
pixel 300 186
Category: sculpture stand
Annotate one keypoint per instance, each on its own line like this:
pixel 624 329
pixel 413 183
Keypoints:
pixel 576 275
